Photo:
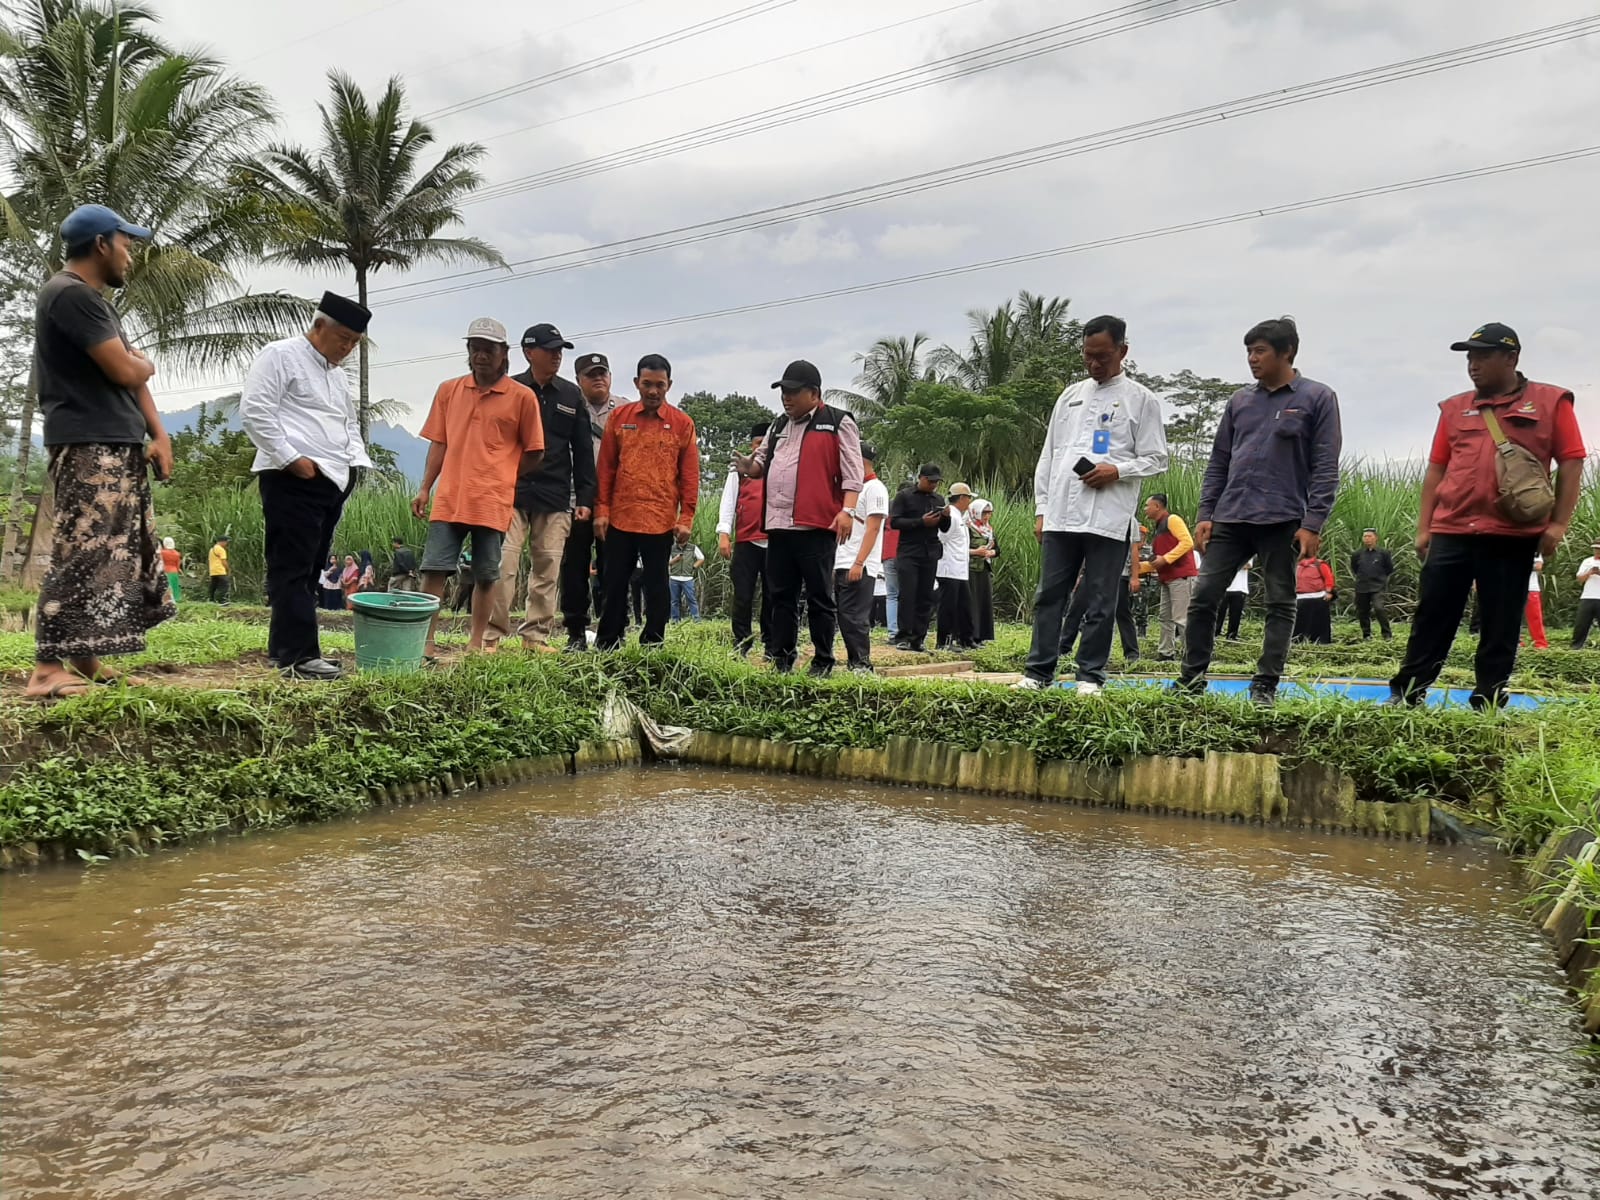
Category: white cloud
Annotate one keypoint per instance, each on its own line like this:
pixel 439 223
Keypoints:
pixel 927 240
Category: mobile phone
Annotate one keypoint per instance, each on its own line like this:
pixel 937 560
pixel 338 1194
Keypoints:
pixel 1082 467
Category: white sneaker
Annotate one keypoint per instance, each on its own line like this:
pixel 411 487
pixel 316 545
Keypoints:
pixel 1085 688
pixel 1027 684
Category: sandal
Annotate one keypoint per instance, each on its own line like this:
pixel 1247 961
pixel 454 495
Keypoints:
pixel 106 676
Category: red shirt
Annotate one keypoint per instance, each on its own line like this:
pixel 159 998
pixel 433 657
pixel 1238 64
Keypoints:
pixel 649 469
pixel 1538 416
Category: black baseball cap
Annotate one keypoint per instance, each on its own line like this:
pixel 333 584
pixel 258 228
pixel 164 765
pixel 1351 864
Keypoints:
pixel 930 471
pixel 1493 336
pixel 869 451
pixel 585 363
pixel 545 336
pixel 800 374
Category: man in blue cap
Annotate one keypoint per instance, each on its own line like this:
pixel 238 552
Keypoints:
pixel 297 409
pixel 105 587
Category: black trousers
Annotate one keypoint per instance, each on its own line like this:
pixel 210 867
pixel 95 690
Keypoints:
pixel 1232 545
pixel 1231 611
pixel 917 576
pixel 622 550
pixel 1127 627
pixel 1064 558
pixel 1588 614
pixel 221 585
pixel 749 568
pixel 981 585
pixel 854 601
pixel 299 515
pixel 1499 564
pixel 578 588
pixel 1313 621
pixel 1369 605
pixel 799 558
pixel 955 614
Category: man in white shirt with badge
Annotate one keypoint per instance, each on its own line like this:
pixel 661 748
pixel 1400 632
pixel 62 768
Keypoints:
pixel 858 564
pixel 297 409
pixel 1105 435
pixel 1589 598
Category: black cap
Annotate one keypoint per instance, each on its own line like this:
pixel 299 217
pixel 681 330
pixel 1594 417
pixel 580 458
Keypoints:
pixel 1493 336
pixel 930 471
pixel 585 363
pixel 800 374
pixel 545 336
pixel 869 451
pixel 345 311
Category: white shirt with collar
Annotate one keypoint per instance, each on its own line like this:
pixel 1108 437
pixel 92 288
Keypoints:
pixel 1128 414
pixel 295 404
pixel 955 548
pixel 728 509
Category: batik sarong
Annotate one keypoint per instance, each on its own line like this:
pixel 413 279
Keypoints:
pixel 106 585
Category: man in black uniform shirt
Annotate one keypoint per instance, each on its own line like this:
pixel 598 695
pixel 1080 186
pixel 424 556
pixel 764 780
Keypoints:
pixel 920 514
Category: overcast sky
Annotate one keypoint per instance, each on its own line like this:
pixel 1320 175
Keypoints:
pixel 1380 286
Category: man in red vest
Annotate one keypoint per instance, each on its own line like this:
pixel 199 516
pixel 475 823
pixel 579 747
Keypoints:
pixel 812 464
pixel 1465 536
pixel 742 540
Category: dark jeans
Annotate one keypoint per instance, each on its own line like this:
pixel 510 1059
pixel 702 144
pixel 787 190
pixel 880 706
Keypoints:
pixel 1232 545
pixel 1100 559
pixel 578 588
pixel 955 614
pixel 622 550
pixel 1231 610
pixel 1313 621
pixel 981 587
pixel 221 585
pixel 917 576
pixel 1499 564
pixel 1588 615
pixel 1369 605
pixel 855 616
pixel 748 568
pixel 299 516
pixel 801 558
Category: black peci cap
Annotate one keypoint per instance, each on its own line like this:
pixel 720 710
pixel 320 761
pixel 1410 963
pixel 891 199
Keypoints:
pixel 800 374
pixel 869 452
pixel 1493 336
pixel 545 336
pixel 345 311
pixel 585 363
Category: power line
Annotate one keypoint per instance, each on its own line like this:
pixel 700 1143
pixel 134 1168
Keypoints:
pixel 1164 231
pixel 765 62
pixel 1015 160
pixel 710 24
pixel 958 66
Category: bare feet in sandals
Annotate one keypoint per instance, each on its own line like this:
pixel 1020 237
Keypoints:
pixel 52 681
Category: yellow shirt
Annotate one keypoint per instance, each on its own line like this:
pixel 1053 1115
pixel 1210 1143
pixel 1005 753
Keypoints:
pixel 219 559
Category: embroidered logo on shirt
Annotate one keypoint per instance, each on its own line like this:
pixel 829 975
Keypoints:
pixel 1528 407
pixel 571 412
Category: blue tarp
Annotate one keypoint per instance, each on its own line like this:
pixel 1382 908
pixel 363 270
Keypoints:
pixel 1370 690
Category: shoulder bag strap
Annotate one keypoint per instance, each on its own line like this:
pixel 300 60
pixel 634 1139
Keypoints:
pixel 1493 422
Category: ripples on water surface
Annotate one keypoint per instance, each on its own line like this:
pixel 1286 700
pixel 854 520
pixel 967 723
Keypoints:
pixel 672 984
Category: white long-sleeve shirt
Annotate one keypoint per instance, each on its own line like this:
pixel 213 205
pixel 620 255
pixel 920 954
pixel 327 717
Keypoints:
pixel 1135 442
pixel 296 405
pixel 728 510
pixel 955 549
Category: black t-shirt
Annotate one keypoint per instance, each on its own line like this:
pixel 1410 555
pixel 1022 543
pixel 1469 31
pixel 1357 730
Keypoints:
pixel 79 403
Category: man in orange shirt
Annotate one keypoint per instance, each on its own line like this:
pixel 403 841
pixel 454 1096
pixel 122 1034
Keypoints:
pixel 486 431
pixel 649 471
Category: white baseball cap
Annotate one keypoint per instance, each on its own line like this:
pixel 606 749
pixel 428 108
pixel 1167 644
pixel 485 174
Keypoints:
pixel 488 329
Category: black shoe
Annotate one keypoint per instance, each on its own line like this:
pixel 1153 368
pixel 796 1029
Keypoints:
pixel 1398 700
pixel 1481 703
pixel 816 672
pixel 918 649
pixel 1188 687
pixel 862 669
pixel 576 646
pixel 314 669
pixel 1263 696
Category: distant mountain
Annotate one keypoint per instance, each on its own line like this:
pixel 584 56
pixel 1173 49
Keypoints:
pixel 410 451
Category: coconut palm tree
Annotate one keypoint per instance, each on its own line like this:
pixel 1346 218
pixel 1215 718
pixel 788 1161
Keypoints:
pixel 888 373
pixel 95 107
pixel 364 199
pixel 994 351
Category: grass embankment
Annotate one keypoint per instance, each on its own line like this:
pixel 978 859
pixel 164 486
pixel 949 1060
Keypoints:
pixel 181 761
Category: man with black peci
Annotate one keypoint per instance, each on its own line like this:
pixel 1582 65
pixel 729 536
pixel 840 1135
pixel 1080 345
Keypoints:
pixel 919 514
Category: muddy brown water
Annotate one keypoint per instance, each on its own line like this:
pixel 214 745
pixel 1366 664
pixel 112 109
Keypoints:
pixel 700 984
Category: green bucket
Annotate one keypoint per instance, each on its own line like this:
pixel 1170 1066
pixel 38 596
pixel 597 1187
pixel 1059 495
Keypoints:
pixel 392 630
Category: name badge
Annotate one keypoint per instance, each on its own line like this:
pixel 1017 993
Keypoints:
pixel 1078 403
pixel 571 412
pixel 1102 442
pixel 827 429
pixel 625 425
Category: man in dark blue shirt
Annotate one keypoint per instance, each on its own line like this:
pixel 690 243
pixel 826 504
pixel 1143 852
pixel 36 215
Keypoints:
pixel 1267 491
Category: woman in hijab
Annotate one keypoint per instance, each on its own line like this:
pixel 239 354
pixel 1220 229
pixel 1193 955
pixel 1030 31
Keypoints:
pixel 985 549
pixel 172 564
pixel 349 578
pixel 332 593
pixel 369 574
